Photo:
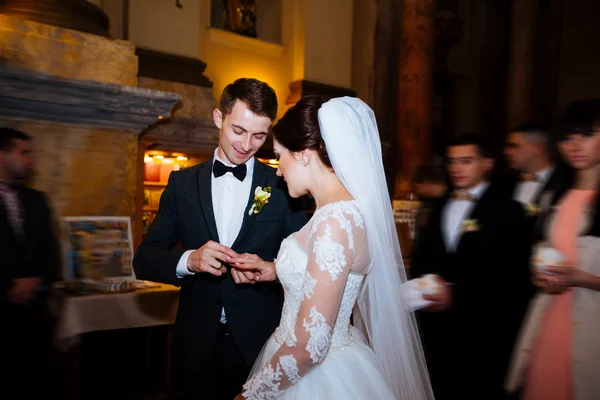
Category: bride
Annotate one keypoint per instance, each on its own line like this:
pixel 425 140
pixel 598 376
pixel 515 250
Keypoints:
pixel 346 259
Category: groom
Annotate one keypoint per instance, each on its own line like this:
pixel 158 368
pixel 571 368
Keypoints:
pixel 223 320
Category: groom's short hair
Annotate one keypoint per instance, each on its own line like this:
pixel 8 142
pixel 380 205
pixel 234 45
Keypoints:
pixel 257 95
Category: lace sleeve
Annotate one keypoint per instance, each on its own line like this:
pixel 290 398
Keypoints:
pixel 331 257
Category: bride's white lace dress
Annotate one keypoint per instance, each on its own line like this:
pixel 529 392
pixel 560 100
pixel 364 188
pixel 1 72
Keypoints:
pixel 315 353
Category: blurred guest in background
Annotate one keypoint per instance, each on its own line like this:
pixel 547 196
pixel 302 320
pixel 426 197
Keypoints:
pixel 558 352
pixel 474 243
pixel 529 153
pixel 30 259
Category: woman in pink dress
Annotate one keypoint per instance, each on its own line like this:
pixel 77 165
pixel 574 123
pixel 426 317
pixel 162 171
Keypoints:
pixel 555 342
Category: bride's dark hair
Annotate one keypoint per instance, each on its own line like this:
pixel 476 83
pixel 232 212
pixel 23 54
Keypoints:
pixel 299 128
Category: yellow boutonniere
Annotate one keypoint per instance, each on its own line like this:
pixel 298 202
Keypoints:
pixel 532 208
pixel 470 225
pixel 261 199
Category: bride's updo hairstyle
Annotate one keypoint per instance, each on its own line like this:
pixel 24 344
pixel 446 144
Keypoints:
pixel 299 128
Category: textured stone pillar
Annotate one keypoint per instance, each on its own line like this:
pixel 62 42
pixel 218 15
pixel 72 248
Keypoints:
pixel 415 90
pixel 523 25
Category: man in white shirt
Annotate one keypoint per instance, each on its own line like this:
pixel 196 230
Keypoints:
pixel 474 242
pixel 225 316
pixel 528 153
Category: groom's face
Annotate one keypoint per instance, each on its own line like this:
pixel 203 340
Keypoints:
pixel 241 133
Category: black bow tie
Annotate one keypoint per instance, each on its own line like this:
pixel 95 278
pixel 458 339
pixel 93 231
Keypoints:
pixel 220 169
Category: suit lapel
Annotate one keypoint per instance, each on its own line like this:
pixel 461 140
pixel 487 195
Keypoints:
pixel 259 178
pixel 438 219
pixel 201 193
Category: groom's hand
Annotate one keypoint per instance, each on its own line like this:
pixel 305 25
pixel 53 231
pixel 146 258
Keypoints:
pixel 264 270
pixel 209 258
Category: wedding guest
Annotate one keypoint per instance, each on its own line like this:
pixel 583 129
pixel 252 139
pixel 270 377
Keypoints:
pixel 558 352
pixel 528 152
pixel 474 244
pixel 30 259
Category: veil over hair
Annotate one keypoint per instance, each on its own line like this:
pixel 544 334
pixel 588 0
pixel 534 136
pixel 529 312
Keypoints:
pixel 350 133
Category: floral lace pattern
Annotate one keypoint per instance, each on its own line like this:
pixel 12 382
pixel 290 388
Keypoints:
pixel 315 268
pixel 290 367
pixel 320 336
pixel 339 212
pixel 330 255
pixel 265 385
pixel 308 286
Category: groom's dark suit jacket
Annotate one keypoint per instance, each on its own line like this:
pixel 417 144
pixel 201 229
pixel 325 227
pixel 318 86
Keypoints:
pixel 186 215
pixel 490 287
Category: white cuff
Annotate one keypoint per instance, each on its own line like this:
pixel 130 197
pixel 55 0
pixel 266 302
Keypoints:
pixel 182 269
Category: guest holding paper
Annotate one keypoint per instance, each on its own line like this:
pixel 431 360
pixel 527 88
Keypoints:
pixel 474 244
pixel 558 352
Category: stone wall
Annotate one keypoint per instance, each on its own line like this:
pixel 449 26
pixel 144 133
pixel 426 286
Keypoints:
pixel 66 53
pixel 197 102
pixel 84 171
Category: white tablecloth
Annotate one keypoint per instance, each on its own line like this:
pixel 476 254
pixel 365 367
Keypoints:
pixel 99 312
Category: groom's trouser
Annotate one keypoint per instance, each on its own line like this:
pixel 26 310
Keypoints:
pixel 225 373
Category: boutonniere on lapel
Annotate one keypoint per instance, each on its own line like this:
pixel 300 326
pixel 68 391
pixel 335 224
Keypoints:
pixel 532 209
pixel 470 225
pixel 261 199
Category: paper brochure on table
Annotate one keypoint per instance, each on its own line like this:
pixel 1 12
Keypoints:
pixel 97 247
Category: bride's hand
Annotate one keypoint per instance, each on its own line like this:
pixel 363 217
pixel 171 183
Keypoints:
pixel 243 277
pixel 264 270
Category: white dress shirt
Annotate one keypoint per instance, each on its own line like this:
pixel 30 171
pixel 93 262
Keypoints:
pixel 525 192
pixel 229 200
pixel 455 212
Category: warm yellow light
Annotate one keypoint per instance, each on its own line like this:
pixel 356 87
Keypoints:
pixel 270 162
pixel 159 157
pixel 181 158
pixel 147 159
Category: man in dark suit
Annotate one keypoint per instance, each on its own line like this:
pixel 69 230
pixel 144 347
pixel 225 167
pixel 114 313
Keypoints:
pixel 30 260
pixel 474 244
pixel 224 316
pixel 528 152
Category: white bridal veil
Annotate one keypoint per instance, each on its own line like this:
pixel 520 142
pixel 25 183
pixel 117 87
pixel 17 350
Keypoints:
pixel 350 133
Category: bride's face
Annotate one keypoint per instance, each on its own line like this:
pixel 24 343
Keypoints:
pixel 291 169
